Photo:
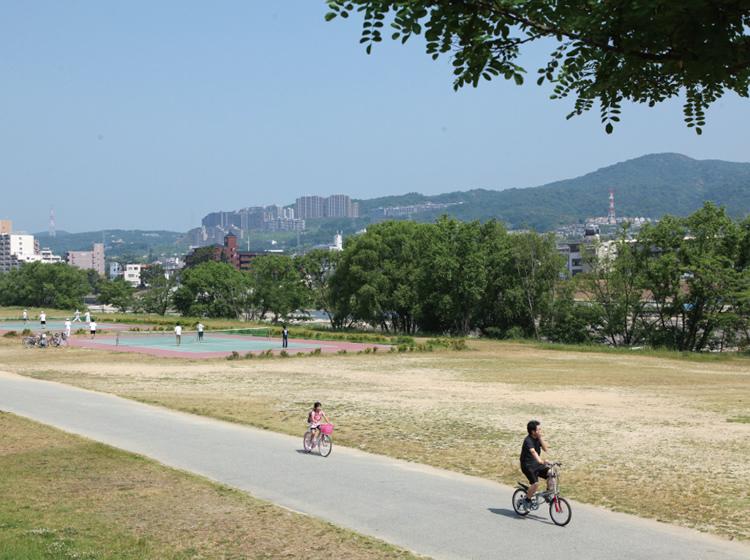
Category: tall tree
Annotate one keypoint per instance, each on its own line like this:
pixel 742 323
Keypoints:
pixel 614 286
pixel 694 268
pixel 116 292
pixel 160 288
pixel 213 289
pixel 378 277
pixel 453 282
pixel 278 287
pixel 44 285
pixel 316 269
pixel 536 268
pixel 606 51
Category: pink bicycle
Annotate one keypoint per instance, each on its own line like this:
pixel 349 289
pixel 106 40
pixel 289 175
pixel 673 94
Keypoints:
pixel 324 441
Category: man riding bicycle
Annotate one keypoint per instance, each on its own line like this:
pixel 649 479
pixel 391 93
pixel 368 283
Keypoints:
pixel 532 465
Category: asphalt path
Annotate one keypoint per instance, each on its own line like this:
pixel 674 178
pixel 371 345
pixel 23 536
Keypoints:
pixel 426 510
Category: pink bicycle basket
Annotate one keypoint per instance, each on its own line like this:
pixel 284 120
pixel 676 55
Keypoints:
pixel 326 429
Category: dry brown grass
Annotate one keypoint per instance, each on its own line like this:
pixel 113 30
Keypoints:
pixel 67 497
pixel 648 435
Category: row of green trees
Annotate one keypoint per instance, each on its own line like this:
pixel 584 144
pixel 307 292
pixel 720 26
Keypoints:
pixel 683 284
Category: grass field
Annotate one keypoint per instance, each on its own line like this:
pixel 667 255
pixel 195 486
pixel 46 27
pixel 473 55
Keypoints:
pixel 660 436
pixel 67 498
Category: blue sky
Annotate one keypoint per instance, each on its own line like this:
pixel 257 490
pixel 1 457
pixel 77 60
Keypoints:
pixel 150 114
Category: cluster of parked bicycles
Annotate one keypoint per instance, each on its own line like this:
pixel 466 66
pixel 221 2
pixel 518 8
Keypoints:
pixel 44 340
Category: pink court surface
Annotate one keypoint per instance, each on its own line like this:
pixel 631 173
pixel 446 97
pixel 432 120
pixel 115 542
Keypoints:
pixel 217 346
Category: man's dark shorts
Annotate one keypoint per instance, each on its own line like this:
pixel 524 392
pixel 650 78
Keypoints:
pixel 534 473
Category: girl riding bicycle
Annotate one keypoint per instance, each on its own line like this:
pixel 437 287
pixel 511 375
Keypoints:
pixel 315 418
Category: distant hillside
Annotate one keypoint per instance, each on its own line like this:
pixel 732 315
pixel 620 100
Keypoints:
pixel 134 244
pixel 649 186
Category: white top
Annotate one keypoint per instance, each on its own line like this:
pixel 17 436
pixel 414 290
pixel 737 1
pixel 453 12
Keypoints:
pixel 42 316
pixel 88 316
pixel 178 330
pixel 92 325
pixel 67 324
pixel 78 313
pixel 25 314
pixel 200 327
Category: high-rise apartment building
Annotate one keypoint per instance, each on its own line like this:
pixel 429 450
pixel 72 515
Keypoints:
pixel 308 207
pixel 338 206
pixel 16 249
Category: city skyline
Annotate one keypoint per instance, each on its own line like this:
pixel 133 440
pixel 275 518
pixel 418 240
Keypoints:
pixel 120 120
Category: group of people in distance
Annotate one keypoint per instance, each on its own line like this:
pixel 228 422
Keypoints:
pixel 67 325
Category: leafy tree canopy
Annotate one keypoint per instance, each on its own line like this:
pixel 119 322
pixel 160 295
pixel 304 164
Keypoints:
pixel 44 285
pixel 606 51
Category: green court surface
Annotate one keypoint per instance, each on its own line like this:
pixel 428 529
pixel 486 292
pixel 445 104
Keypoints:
pixel 212 342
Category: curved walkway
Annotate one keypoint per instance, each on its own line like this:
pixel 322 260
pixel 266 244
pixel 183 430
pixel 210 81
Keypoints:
pixel 429 511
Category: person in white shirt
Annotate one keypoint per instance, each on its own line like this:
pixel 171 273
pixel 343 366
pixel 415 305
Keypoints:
pixel 200 328
pixel 25 317
pixel 77 316
pixel 43 319
pixel 67 328
pixel 92 328
pixel 88 316
pixel 178 333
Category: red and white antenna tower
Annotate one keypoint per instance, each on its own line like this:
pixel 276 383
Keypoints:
pixel 611 218
pixel 52 232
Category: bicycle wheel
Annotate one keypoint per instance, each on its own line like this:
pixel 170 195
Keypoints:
pixel 518 502
pixel 326 445
pixel 307 441
pixel 559 511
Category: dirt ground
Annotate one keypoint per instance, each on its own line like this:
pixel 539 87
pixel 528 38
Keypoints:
pixel 662 437
pixel 68 498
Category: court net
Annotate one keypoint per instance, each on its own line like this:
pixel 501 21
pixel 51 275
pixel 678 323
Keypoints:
pixel 158 338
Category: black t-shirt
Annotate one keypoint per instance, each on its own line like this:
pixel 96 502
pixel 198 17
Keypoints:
pixel 530 443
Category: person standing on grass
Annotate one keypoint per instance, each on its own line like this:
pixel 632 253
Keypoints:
pixel 92 328
pixel 67 328
pixel 43 319
pixel 200 328
pixel 284 337
pixel 25 317
pixel 77 316
pixel 178 333
pixel 88 316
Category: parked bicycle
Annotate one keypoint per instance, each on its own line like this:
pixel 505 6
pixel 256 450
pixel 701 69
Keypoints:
pixel 323 441
pixel 559 508
pixel 43 340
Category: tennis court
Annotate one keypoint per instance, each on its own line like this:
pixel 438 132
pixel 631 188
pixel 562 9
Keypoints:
pixel 214 344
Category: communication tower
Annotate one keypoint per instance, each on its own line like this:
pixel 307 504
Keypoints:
pixel 52 231
pixel 611 218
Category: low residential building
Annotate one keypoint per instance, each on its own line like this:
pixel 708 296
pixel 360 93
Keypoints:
pixel 48 257
pixel 88 260
pixel 284 224
pixel 115 270
pixel 574 261
pixel 132 274
pixel 6 226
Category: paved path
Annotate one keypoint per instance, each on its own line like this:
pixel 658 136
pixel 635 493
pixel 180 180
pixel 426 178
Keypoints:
pixel 429 511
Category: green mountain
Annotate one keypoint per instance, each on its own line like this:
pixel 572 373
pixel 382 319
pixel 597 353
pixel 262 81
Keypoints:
pixel 648 186
pixel 131 245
